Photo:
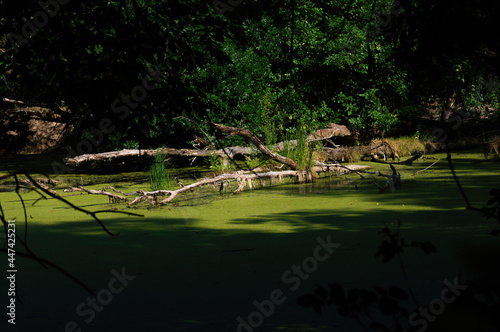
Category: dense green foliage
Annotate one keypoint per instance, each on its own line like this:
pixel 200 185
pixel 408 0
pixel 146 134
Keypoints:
pixel 270 67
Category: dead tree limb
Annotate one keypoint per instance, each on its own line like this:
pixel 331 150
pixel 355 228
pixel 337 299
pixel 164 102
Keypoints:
pixel 257 142
pixel 434 163
pixel 407 162
pixel 32 184
pixel 225 177
pixel 123 193
pixel 107 156
pixel 322 134
pixel 353 168
pixel 393 180
pixel 113 198
pixel 238 176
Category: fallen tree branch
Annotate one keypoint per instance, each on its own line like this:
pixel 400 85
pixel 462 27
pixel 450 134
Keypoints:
pixel 113 198
pixel 393 180
pixel 243 178
pixel 352 168
pixel 38 184
pixel 257 142
pixel 92 214
pixel 407 162
pixel 47 181
pixel 41 189
pixel 426 167
pixel 223 177
pixel 229 152
pixel 107 156
pixel 121 192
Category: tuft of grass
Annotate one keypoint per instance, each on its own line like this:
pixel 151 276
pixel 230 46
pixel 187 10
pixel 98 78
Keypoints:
pixel 299 150
pixel 160 174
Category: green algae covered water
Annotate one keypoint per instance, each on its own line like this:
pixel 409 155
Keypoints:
pixel 208 261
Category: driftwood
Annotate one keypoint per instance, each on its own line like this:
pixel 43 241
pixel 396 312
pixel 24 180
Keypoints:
pixel 113 198
pixel 426 167
pixel 221 178
pixel 107 156
pixel 243 178
pixel 47 181
pixel 322 134
pixel 393 180
pixel 351 168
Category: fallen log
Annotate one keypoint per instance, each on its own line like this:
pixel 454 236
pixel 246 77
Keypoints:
pixel 352 168
pixel 229 152
pixel 108 156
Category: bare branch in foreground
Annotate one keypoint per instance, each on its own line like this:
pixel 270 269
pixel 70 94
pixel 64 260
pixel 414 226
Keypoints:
pixel 92 214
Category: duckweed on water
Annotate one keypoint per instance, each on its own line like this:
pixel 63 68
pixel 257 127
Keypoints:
pixel 207 256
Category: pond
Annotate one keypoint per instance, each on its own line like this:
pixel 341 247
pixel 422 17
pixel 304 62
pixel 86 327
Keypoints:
pixel 217 262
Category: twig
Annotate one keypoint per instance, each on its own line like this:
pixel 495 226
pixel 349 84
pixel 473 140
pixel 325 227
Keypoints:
pixel 426 167
pixel 92 214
